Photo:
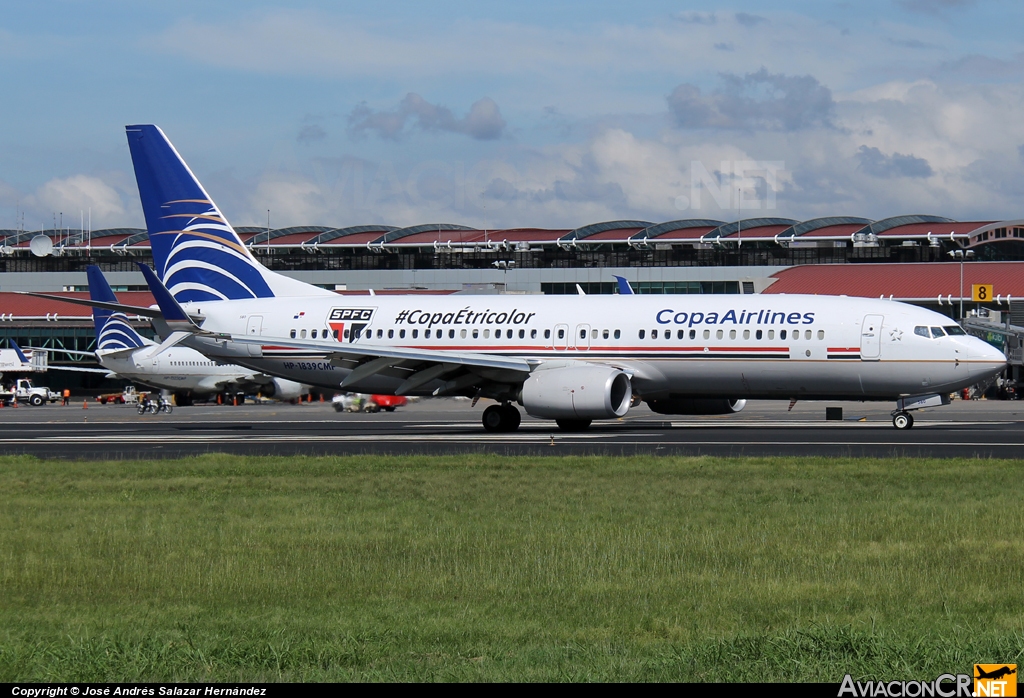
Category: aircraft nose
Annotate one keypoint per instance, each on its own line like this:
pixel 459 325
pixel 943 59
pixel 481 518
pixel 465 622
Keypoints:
pixel 985 359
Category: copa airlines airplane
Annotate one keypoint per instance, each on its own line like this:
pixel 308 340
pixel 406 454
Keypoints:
pixel 124 352
pixel 573 359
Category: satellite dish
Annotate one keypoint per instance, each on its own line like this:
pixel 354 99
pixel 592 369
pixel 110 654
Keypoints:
pixel 6 250
pixel 41 245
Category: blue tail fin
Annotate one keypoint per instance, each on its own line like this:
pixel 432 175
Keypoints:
pixel 197 254
pixel 21 355
pixel 112 329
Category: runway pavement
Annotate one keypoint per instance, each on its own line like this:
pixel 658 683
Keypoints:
pixel 964 429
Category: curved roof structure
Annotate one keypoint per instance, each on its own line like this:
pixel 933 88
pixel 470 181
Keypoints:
pixel 393 235
pixel 666 229
pixel 263 238
pixel 751 224
pixel 338 233
pixel 879 227
pixel 816 224
pixel 596 228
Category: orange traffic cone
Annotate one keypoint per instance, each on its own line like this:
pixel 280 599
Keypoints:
pixel 85 404
pixel 14 402
pixel 220 399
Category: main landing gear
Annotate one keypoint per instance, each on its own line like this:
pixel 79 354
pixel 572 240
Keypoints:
pixel 501 418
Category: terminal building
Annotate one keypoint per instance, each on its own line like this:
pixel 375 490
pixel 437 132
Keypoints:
pixel 923 259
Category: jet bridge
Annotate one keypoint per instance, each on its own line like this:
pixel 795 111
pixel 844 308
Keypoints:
pixel 1007 326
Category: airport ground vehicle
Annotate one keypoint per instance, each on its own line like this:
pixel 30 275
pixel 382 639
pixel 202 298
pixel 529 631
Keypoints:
pixel 358 402
pixel 129 396
pixel 26 393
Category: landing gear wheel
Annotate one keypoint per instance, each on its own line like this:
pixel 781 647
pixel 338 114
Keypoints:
pixel 494 418
pixel 501 418
pixel 573 424
pixel 903 420
pixel 513 417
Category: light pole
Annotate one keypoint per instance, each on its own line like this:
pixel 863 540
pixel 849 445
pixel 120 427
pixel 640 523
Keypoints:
pixel 962 255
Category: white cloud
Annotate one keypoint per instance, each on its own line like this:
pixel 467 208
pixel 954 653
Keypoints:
pixel 75 195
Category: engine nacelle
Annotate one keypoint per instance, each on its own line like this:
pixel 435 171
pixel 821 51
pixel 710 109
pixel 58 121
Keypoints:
pixel 696 406
pixel 283 389
pixel 577 392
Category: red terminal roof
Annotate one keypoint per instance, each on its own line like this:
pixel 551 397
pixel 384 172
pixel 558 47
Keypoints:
pixel 761 231
pixel 901 281
pixel 936 229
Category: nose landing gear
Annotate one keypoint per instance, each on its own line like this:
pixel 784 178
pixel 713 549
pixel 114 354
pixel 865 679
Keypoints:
pixel 903 420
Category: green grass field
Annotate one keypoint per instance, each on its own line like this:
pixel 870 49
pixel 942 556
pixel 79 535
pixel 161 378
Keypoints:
pixel 486 568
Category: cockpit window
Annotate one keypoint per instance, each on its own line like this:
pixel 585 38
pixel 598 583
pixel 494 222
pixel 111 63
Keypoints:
pixel 954 330
pixel 937 332
pixel 922 331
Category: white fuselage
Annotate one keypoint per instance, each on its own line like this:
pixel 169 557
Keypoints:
pixel 177 368
pixel 737 346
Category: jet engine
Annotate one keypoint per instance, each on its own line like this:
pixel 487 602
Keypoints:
pixel 580 392
pixel 696 406
pixel 283 389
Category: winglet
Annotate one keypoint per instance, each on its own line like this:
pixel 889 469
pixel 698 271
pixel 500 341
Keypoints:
pixel 21 354
pixel 175 317
pixel 624 288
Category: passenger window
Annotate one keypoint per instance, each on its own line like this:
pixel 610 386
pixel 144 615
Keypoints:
pixel 346 333
pixel 604 334
pixel 719 334
pixel 426 335
pixel 807 334
pixel 593 334
pixel 522 334
pixel 391 334
pixel 462 334
pixel 547 334
pixel 583 334
pixel 617 334
pixel 937 332
pixel 451 334
pixel 759 334
pixel 746 334
pixel 380 334
pixel 732 334
pixel 415 334
pixel 821 334
pixel 302 334
pixel 782 334
pixel 497 334
pixel 476 334
pixel 693 334
pixel 533 334
pixel 487 334
pixel 771 334
pixel 561 333
pixel 680 334
pixel 654 334
pixel 401 334
pixel 293 334
pixel 641 334
pixel 707 334
pixel 313 334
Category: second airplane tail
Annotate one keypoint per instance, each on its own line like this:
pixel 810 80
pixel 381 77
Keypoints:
pixel 197 254
pixel 113 331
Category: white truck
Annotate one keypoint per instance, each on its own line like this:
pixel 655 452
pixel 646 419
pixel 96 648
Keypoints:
pixel 23 390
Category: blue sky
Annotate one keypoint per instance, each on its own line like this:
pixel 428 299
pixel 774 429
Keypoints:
pixel 519 114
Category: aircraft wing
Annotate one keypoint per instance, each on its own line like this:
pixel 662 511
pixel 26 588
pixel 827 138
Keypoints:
pixel 117 307
pixel 51 367
pixel 459 369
